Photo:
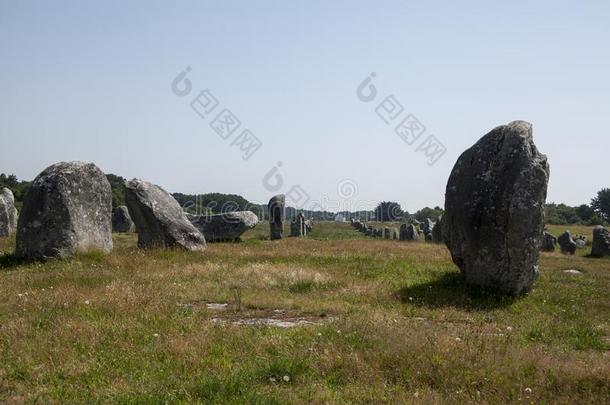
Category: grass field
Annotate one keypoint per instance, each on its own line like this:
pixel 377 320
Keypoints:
pixel 384 322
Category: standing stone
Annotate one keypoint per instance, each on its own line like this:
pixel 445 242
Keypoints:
pixel 386 233
pixel 277 207
pixel 8 213
pixel 394 233
pixel 408 232
pixel 437 231
pixel 566 243
pixel 121 220
pixel 297 226
pixel 427 227
pixel 159 219
pixel 225 227
pixel 494 209
pixel 67 209
pixel 548 242
pixel 601 242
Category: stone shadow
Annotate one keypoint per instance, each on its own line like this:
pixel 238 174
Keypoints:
pixel 10 262
pixel 450 290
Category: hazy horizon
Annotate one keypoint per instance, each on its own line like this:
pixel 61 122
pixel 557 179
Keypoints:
pixel 93 82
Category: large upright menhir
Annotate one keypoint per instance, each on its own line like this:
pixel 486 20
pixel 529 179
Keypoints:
pixel 277 206
pixel 66 210
pixel 494 207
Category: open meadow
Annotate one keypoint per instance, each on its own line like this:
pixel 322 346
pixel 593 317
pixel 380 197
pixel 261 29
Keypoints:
pixel 332 318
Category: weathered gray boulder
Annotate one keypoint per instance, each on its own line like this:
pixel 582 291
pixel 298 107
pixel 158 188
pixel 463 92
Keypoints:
pixel 437 231
pixel 277 207
pixel 548 242
pixel 566 243
pixel 159 219
pixel 8 213
pixel 66 210
pixel 581 241
pixel 227 227
pixel 121 220
pixel 297 226
pixel 601 242
pixel 408 232
pixel 308 225
pixel 494 209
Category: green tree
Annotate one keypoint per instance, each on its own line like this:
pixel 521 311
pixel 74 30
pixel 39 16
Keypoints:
pixel 216 203
pixel 601 203
pixel 19 188
pixel 388 211
pixel 585 212
pixel 117 185
pixel 428 212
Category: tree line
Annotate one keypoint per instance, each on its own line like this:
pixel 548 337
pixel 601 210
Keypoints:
pixel 595 213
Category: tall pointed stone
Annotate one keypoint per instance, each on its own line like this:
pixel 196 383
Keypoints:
pixel 277 207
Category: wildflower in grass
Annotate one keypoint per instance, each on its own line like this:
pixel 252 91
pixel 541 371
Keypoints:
pixel 286 378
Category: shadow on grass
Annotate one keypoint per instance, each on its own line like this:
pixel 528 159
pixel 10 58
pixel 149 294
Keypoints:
pixel 450 290
pixel 11 262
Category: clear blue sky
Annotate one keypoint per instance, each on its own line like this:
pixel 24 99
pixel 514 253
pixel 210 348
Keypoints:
pixel 92 81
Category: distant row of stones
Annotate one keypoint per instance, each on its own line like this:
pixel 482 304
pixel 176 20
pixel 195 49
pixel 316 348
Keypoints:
pixel 567 243
pixel 428 230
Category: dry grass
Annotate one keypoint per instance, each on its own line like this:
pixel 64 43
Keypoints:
pixel 400 327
